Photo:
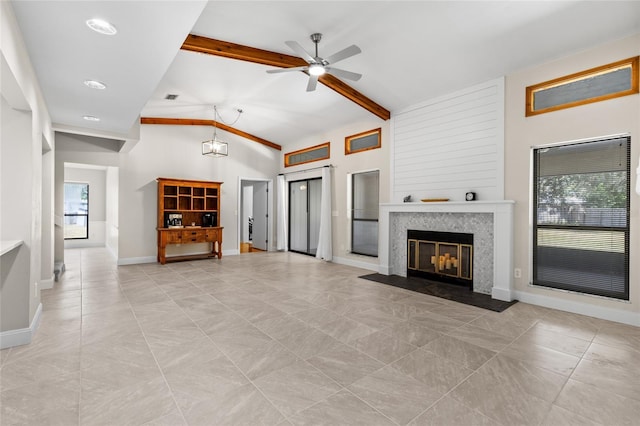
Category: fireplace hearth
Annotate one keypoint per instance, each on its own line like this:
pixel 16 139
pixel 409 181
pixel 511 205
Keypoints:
pixel 440 256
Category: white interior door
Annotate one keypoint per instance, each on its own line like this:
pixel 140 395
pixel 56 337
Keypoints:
pixel 260 215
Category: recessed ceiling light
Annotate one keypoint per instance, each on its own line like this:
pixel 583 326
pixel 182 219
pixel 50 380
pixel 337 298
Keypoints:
pixel 101 26
pixel 90 118
pixel 95 84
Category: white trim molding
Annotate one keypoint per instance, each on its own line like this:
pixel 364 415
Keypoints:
pixel 21 336
pixel 356 263
pixel 136 260
pixel 610 314
pixel 48 283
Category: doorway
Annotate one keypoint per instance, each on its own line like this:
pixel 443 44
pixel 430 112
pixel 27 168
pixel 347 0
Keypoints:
pixel 304 215
pixel 254 229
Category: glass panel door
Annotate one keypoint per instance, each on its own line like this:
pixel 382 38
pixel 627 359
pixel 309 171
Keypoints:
pixel 304 215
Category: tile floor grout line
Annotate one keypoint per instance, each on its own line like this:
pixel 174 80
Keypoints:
pixel 573 324
pixel 470 375
pixel 164 378
pixel 236 366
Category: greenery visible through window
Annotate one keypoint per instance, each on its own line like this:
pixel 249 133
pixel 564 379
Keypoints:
pixel 76 211
pixel 581 227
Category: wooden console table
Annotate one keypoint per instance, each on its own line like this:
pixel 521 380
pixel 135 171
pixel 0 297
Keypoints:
pixel 189 235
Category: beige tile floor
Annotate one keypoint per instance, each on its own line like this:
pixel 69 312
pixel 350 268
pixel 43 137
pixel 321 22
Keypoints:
pixel 277 338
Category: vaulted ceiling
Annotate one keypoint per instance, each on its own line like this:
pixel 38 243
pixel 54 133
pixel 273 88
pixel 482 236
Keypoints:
pixel 411 52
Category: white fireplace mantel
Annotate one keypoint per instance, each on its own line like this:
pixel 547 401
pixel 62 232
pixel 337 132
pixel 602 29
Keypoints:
pixel 502 230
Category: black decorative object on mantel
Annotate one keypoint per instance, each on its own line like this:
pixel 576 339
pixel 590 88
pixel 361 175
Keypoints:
pixel 407 199
pixel 470 196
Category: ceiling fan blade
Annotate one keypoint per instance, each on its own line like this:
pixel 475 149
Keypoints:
pixel 303 68
pixel 313 81
pixel 295 46
pixel 344 74
pixel 343 54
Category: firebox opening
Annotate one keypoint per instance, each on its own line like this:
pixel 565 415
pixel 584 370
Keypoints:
pixel 440 256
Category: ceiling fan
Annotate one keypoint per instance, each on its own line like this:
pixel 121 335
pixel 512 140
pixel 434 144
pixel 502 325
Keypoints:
pixel 319 66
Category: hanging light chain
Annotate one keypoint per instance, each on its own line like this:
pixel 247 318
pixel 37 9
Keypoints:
pixel 217 114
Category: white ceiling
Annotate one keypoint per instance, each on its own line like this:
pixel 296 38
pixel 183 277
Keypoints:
pixel 411 52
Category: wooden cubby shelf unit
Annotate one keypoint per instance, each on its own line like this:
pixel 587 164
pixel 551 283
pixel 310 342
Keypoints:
pixel 191 199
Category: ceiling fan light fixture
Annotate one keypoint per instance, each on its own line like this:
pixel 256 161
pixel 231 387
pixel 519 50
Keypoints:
pixel 101 26
pixel 316 69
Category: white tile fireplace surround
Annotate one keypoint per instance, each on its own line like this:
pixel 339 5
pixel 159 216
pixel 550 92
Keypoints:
pixel 491 222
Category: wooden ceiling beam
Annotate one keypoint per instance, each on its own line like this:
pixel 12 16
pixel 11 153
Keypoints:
pixel 201 122
pixel 227 49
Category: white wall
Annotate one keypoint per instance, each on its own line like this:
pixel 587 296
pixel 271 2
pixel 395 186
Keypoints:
pixel 621 115
pixel 18 72
pixel 175 152
pixel 47 230
pixel 15 186
pixel 446 147
pixel 112 210
pixel 96 178
pixel 343 165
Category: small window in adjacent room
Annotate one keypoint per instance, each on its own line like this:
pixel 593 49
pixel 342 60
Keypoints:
pixel 581 217
pixel 364 212
pixel 362 141
pixel 308 155
pixel 76 211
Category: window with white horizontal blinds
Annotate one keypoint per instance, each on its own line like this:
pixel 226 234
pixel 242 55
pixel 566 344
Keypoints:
pixel 581 217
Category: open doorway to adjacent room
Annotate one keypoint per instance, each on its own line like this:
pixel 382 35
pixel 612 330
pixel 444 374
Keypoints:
pixel 254 230
pixel 90 206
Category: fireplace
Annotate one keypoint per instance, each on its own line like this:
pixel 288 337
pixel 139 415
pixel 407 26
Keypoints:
pixel 490 222
pixel 440 256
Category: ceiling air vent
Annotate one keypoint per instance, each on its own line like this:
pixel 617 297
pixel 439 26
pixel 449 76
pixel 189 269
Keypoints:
pixel 171 97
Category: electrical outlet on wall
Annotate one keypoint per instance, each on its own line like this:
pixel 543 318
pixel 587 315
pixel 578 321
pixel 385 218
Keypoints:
pixel 517 273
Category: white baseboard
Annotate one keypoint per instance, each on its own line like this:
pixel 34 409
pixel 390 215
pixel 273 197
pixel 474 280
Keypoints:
pixel 21 336
pixel 48 283
pixel 355 263
pixel 137 260
pixel 502 294
pixel 154 259
pixel 617 315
